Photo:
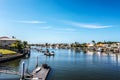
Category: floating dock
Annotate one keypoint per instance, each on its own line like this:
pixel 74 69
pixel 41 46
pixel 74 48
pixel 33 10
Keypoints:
pixel 40 73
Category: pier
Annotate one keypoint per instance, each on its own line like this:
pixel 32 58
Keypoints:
pixel 40 73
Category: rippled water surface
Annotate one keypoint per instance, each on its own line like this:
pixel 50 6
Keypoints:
pixel 70 65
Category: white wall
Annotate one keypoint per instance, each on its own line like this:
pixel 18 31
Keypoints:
pixel 3 43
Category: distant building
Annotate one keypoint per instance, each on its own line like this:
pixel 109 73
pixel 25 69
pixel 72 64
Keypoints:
pixel 114 45
pixel 100 45
pixel 89 45
pixel 6 41
pixel 118 45
pixel 107 45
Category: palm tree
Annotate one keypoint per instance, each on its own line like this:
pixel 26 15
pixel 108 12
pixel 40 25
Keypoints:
pixel 13 37
pixel 93 41
pixel 25 43
pixel 19 45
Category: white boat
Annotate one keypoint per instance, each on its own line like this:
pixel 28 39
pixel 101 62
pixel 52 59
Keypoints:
pixel 99 50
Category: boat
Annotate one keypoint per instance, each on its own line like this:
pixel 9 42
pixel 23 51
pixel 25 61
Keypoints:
pixel 49 53
pixel 52 53
pixel 99 50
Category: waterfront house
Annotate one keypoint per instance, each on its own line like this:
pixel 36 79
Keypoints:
pixel 114 45
pixel 89 45
pixel 118 45
pixel 6 41
pixel 107 46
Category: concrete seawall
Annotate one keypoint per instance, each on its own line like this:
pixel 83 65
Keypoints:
pixel 11 57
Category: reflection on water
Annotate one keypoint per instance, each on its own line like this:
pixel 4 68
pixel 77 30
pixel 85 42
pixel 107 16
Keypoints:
pixel 14 63
pixel 71 64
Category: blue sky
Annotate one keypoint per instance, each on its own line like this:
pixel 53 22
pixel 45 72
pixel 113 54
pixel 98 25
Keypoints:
pixel 63 21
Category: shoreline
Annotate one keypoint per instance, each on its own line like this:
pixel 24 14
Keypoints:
pixel 11 57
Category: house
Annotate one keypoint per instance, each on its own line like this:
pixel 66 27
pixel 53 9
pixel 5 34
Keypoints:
pixel 114 45
pixel 89 45
pixel 118 45
pixel 107 45
pixel 6 41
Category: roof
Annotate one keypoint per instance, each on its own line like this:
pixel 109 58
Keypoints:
pixel 7 38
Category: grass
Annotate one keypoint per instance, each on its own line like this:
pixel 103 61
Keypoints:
pixel 5 51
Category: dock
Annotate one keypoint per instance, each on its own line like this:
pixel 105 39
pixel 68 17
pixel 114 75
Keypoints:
pixel 40 73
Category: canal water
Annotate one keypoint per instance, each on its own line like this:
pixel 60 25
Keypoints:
pixel 69 64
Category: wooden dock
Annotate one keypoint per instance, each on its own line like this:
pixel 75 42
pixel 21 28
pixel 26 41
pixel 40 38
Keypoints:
pixel 40 73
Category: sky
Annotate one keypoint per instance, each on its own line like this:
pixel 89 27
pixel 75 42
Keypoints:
pixel 60 21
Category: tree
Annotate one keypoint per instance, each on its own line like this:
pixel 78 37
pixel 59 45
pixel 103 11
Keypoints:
pixel 25 43
pixel 84 45
pixel 93 41
pixel 18 45
pixel 72 45
pixel 13 37
pixel 46 44
pixel 77 44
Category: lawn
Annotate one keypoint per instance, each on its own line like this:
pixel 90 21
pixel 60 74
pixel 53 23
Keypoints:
pixel 5 51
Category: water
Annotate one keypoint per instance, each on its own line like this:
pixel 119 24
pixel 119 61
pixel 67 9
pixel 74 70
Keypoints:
pixel 71 65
